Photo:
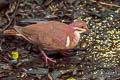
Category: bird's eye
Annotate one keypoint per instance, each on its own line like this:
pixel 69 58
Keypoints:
pixel 81 26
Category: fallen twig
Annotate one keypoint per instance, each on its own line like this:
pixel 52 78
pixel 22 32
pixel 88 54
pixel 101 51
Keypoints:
pixel 107 4
pixel 6 27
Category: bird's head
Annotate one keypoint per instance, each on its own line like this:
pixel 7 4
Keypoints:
pixel 79 27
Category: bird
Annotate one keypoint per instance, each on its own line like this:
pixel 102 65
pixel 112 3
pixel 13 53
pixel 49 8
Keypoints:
pixel 53 35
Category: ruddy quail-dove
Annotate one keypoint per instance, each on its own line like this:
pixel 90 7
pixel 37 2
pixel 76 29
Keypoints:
pixel 53 35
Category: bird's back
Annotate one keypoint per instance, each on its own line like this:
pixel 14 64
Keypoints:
pixel 49 35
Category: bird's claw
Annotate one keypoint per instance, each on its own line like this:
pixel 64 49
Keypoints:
pixel 49 59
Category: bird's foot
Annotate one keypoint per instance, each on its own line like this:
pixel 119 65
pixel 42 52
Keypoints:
pixel 47 58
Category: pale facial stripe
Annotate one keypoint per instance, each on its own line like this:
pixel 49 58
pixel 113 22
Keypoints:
pixel 81 30
pixel 68 41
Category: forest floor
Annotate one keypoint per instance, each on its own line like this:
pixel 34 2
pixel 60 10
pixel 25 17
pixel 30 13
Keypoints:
pixel 21 60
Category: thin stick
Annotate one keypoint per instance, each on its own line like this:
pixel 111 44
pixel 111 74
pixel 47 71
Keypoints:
pixel 107 4
pixel 17 5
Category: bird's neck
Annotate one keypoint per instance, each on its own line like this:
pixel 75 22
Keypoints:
pixel 72 25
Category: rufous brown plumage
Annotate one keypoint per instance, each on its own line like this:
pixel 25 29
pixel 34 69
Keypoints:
pixel 53 35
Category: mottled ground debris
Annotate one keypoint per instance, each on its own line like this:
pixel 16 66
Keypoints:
pixel 20 60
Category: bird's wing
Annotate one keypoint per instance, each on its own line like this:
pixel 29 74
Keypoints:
pixel 27 33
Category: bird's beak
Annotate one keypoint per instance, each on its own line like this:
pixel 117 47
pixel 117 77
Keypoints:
pixel 85 31
pixel 86 28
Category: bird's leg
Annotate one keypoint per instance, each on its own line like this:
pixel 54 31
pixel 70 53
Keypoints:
pixel 65 53
pixel 47 58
